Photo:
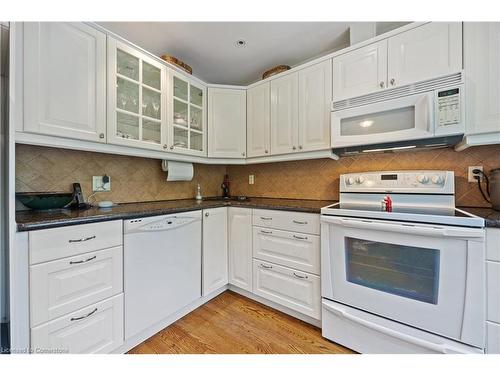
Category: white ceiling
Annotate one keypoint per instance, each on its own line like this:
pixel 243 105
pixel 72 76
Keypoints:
pixel 210 47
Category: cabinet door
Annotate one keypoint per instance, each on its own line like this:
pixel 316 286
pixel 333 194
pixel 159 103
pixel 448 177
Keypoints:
pixel 137 114
pixel 214 249
pixel 482 68
pixel 428 51
pixel 360 72
pixel 65 80
pixel 284 114
pixel 259 120
pixel 227 112
pixel 187 128
pixel 240 247
pixel 315 95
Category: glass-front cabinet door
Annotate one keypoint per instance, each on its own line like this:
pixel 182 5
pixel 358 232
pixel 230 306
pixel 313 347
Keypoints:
pixel 187 115
pixel 136 98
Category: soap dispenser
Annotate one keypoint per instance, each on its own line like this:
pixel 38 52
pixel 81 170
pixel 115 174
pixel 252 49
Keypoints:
pixel 198 193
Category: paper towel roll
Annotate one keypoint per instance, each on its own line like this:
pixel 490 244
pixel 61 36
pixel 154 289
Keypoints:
pixel 177 171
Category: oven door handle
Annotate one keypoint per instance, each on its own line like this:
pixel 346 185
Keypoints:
pixel 406 228
pixel 439 348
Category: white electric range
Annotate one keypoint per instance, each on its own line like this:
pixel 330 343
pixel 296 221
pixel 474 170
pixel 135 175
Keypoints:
pixel 406 277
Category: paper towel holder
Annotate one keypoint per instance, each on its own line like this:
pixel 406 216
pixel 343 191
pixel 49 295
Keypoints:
pixel 177 171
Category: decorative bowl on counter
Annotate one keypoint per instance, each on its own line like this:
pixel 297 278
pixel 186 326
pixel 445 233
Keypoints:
pixel 45 200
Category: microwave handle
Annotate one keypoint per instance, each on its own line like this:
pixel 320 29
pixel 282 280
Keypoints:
pixel 439 348
pixel 405 228
pixel 424 112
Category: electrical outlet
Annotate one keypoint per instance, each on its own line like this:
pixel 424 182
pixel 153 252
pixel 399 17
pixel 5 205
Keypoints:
pixel 251 179
pixel 98 185
pixel 471 174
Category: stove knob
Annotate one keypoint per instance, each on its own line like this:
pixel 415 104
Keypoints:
pixel 350 181
pixel 437 179
pixel 360 179
pixel 422 178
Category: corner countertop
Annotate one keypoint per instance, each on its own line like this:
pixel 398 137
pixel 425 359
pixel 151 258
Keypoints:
pixel 34 220
pixel 491 217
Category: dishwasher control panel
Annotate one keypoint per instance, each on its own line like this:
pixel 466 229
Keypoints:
pixel 159 223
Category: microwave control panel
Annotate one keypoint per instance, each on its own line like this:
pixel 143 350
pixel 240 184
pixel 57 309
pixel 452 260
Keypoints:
pixel 448 107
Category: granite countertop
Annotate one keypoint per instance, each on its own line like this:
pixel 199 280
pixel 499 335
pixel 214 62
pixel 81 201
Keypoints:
pixel 33 220
pixel 491 217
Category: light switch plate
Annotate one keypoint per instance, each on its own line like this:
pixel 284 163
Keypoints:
pixel 97 184
pixel 251 179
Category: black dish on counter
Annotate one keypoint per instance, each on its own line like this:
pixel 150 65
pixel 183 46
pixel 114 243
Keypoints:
pixel 45 200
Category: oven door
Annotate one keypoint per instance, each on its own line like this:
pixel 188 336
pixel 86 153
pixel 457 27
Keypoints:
pixel 427 276
pixel 401 119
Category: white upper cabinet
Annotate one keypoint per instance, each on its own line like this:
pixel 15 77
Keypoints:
pixel 137 90
pixel 215 257
pixel 360 72
pixel 65 80
pixel 315 95
pixel 431 50
pixel 240 247
pixel 284 114
pixel 187 127
pixel 259 120
pixel 482 72
pixel 227 118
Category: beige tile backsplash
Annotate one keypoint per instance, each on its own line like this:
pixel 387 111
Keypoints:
pixel 133 179
pixel 139 179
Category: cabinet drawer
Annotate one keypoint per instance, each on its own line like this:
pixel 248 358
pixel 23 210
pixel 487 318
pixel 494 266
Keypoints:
pixel 296 250
pixel 65 285
pixel 493 244
pixel 492 338
pixel 493 288
pixel 51 244
pixel 296 290
pixel 96 328
pixel 292 221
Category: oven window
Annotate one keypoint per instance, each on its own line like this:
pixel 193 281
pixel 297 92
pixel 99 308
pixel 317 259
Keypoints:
pixel 381 122
pixel 407 271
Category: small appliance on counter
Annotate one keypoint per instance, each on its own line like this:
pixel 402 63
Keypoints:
pixel 78 202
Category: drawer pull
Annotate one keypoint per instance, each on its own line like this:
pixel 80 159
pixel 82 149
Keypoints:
pixel 85 316
pixel 83 261
pixel 266 266
pixel 265 218
pixel 266 231
pixel 299 277
pixel 82 239
pixel 299 237
pixel 300 222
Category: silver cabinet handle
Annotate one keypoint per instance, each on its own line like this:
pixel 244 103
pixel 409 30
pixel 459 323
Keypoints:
pixel 266 231
pixel 172 147
pixel 299 237
pixel 101 135
pixel 85 316
pixel 242 154
pixel 299 277
pixel 206 214
pixel 300 222
pixel 82 239
pixel 382 84
pixel 165 147
pixel 266 151
pixel 294 148
pixel 300 147
pixel 265 218
pixel 266 266
pixel 83 261
pixel 393 81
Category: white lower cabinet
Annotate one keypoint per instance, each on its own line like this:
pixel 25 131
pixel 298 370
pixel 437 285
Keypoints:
pixel 296 250
pixel 215 257
pixel 240 247
pixel 296 290
pixel 65 285
pixel 492 338
pixel 97 328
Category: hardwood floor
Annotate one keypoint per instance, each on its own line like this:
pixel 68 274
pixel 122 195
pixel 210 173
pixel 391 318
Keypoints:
pixel 233 324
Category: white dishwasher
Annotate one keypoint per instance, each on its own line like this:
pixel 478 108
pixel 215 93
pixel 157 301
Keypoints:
pixel 162 267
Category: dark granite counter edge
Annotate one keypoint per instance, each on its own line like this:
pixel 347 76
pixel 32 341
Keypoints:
pixel 491 217
pixel 102 216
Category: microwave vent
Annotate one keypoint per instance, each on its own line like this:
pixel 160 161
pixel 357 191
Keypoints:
pixel 398 92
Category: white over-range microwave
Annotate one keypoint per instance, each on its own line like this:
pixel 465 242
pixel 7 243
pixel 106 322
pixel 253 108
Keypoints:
pixel 420 111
